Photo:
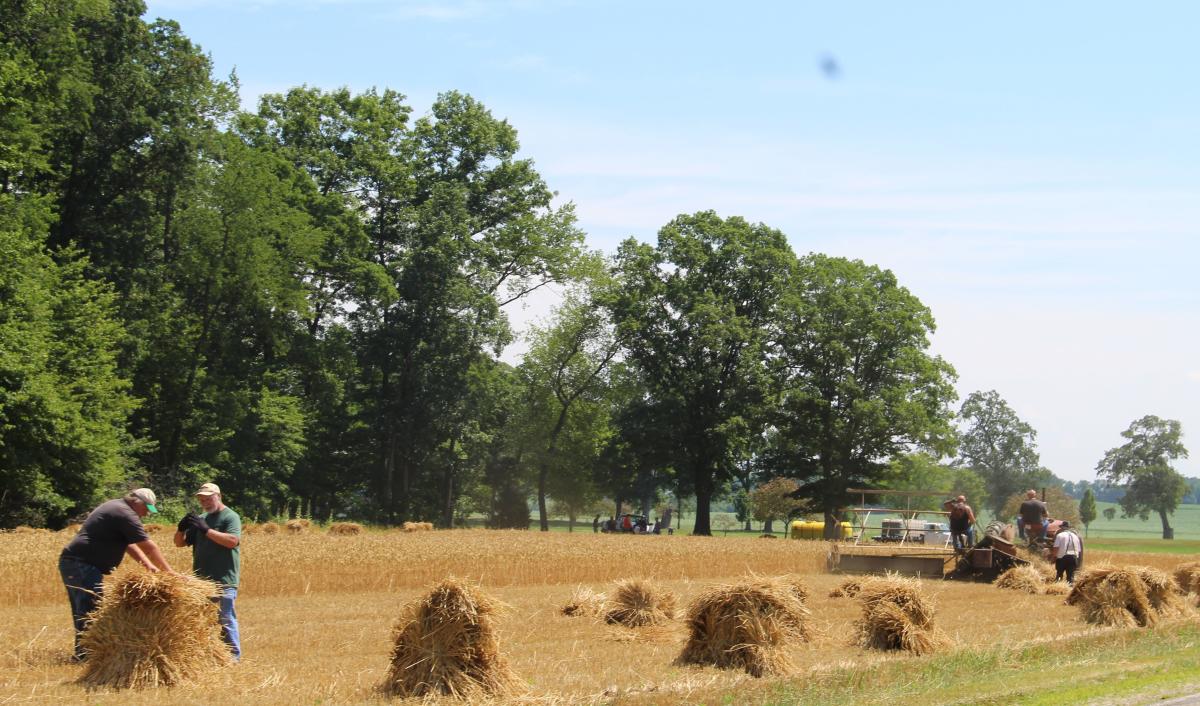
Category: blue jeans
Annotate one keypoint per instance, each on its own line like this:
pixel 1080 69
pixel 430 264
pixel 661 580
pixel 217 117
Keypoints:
pixel 227 616
pixel 969 534
pixel 84 584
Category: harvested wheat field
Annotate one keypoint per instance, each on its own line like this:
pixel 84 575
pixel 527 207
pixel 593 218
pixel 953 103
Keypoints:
pixel 317 614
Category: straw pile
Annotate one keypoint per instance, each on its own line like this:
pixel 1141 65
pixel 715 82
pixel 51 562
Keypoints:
pixel 746 625
pixel 847 589
pixel 417 526
pixel 446 644
pixel 26 529
pixel 153 629
pixel 796 585
pixel 269 528
pixel 297 526
pixel 1188 577
pixel 1024 578
pixel 897 616
pixel 584 602
pixel 1163 592
pixel 635 604
pixel 345 528
pixel 1056 588
pixel 1107 595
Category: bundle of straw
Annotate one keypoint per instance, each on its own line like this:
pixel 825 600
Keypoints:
pixel 1108 595
pixel 1163 592
pixel 1056 588
pixel 296 526
pixel 1188 577
pixel 584 602
pixel 1024 578
pixel 897 615
pixel 418 526
pixel 746 625
pixel 847 589
pixel 345 528
pixel 446 643
pixel 635 604
pixel 153 629
pixel 269 528
pixel 797 586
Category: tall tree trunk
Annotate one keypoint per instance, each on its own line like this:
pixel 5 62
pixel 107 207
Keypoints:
pixel 448 506
pixel 543 520
pixel 544 468
pixel 1167 532
pixel 703 481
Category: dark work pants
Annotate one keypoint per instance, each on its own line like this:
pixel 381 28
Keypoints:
pixel 84 583
pixel 1066 565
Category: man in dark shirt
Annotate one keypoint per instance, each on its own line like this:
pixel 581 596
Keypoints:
pixel 111 531
pixel 216 540
pixel 962 523
pixel 1033 516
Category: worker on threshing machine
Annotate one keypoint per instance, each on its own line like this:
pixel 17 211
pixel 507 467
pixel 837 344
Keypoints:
pixel 962 523
pixel 1032 520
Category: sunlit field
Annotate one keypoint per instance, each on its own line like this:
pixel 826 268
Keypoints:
pixel 316 613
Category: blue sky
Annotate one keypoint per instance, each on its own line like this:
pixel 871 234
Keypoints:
pixel 1031 171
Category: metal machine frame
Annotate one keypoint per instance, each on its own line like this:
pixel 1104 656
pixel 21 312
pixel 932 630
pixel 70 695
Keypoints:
pixel 863 557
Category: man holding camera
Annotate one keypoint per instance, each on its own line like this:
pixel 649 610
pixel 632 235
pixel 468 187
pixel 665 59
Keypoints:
pixel 215 539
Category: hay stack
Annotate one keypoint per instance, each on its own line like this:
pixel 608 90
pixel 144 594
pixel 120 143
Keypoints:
pixel 636 604
pixel 797 586
pixel 153 629
pixel 1107 595
pixel 1163 592
pixel 445 643
pixel 847 589
pixel 897 616
pixel 746 625
pixel 1188 577
pixel 297 526
pixel 345 528
pixel 269 528
pixel 1024 578
pixel 418 526
pixel 584 602
pixel 1056 588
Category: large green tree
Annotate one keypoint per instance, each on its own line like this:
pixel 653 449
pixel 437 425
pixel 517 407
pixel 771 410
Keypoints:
pixel 565 373
pixel 859 384
pixel 999 446
pixel 694 314
pixel 63 403
pixel 1143 465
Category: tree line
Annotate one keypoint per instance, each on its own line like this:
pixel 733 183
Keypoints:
pixel 307 303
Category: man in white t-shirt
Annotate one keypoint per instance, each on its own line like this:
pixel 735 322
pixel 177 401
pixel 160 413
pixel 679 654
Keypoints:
pixel 1068 550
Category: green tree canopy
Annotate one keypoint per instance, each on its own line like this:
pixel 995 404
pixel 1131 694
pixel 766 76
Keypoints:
pixel 998 446
pixel 860 386
pixel 1143 466
pixel 1087 508
pixel 63 405
pixel 695 314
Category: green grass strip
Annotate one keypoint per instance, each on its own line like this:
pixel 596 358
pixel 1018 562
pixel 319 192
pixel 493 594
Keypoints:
pixel 1112 666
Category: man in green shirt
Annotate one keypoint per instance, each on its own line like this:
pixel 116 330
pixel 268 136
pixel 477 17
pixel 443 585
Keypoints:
pixel 215 539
